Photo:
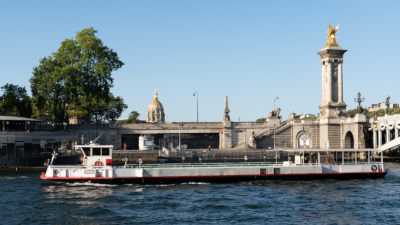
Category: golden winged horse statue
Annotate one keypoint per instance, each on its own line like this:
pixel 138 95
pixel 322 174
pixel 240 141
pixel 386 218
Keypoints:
pixel 331 36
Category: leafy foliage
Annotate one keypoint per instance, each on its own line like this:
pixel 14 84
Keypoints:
pixel 261 120
pixel 15 101
pixel 52 90
pixel 133 118
pixel 108 110
pixel 76 80
pixel 380 112
pixel 90 64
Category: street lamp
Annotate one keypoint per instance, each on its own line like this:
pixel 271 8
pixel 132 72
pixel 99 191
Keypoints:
pixel 274 134
pixel 197 95
pixel 274 102
pixel 180 125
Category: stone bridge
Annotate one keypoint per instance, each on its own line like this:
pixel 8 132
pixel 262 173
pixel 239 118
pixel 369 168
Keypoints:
pixel 234 133
pixel 385 132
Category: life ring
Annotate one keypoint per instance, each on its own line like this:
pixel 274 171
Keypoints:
pixel 330 160
pixel 98 163
pixel 374 168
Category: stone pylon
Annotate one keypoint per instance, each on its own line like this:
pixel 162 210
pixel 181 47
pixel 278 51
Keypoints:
pixel 332 104
pixel 226 109
pixel 226 133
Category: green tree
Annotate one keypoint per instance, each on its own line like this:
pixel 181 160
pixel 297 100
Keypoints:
pixel 52 90
pixel 134 116
pixel 108 110
pixel 381 112
pixel 261 120
pixel 15 101
pixel 76 79
pixel 89 64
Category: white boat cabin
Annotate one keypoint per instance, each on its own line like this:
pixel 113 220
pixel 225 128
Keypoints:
pixel 96 155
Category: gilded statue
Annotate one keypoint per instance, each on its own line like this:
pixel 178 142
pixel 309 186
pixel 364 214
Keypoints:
pixel 331 37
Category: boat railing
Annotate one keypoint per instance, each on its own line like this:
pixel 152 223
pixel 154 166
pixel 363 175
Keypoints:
pixel 205 165
pixel 78 167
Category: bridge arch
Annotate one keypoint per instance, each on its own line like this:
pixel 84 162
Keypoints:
pixel 349 140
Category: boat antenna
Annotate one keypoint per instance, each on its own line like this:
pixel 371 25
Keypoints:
pixel 94 141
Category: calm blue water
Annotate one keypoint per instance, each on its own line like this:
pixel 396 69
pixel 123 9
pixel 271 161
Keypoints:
pixel 25 199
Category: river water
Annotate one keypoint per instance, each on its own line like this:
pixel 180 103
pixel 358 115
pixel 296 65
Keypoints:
pixel 25 199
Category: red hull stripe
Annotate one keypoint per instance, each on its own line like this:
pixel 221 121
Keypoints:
pixel 254 175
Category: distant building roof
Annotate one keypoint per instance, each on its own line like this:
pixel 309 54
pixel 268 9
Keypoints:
pixel 16 118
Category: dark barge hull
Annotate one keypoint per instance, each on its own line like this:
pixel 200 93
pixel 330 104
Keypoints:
pixel 223 179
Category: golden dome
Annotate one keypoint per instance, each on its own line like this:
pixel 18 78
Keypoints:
pixel 155 105
pixel 155 111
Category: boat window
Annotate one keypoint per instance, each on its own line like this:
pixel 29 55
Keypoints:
pixel 96 151
pixel 86 151
pixel 105 151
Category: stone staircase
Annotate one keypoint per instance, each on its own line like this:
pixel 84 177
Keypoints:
pixel 112 138
pixel 270 131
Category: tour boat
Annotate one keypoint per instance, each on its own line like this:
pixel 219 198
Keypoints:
pixel 309 164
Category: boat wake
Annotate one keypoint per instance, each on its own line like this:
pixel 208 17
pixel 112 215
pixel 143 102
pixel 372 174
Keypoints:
pixel 196 183
pixel 91 184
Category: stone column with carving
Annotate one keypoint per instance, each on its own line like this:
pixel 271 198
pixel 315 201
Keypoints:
pixel 340 81
pixel 379 138
pixel 387 135
pixel 332 104
pixel 226 135
pixel 328 82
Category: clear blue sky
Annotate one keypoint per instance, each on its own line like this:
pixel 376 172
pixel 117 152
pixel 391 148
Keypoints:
pixel 251 51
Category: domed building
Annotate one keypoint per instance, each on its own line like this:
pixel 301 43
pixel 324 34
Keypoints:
pixel 155 111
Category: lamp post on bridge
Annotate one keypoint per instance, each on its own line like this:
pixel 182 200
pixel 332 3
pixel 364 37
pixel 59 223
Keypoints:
pixel 359 100
pixel 197 95
pixel 274 134
pixel 275 101
pixel 180 126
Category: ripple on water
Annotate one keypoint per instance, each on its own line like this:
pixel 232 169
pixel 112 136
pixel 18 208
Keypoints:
pixel 25 199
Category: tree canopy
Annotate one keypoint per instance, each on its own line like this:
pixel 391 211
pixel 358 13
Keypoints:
pixel 52 90
pixel 261 120
pixel 76 79
pixel 108 110
pixel 15 101
pixel 367 113
pixel 133 118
